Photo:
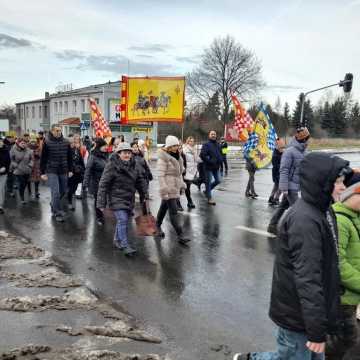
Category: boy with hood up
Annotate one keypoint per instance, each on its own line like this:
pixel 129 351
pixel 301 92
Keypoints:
pixel 306 289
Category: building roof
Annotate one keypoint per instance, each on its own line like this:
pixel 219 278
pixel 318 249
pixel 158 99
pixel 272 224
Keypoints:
pixel 31 101
pixel 70 121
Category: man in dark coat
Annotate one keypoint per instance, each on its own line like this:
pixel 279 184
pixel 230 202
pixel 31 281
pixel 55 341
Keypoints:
pixel 4 169
pixel 119 182
pixel 56 167
pixel 212 158
pixel 306 289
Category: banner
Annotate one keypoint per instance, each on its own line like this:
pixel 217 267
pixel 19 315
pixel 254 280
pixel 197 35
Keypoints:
pixel 158 99
pixel 261 143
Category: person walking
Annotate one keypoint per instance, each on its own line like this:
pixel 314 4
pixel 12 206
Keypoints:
pixel 119 182
pixel 347 210
pixel 78 166
pixel 211 156
pixel 289 175
pixel 35 176
pixel 9 142
pixel 93 172
pixel 21 165
pixel 170 169
pixel 4 170
pixel 251 169
pixel 143 165
pixel 56 167
pixel 306 288
pixel 224 151
pixel 191 157
pixel 276 161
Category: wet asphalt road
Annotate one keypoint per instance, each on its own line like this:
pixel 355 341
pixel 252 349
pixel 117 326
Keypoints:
pixel 215 292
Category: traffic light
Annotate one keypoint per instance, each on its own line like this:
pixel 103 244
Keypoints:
pixel 347 83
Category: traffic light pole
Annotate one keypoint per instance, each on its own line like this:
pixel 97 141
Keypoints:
pixel 340 83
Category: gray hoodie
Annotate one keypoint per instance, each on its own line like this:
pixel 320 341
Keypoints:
pixel 290 164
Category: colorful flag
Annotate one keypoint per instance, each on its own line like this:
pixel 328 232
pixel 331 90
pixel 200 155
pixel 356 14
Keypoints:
pixel 145 99
pixel 243 122
pixel 261 142
pixel 98 122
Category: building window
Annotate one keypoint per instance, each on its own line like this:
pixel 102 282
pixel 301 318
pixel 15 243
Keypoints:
pixel 60 107
pixel 97 100
pixel 56 107
pixel 66 107
pixel 33 112
pixel 40 114
pixel 27 111
pixel 21 113
pixel 74 106
pixel 83 105
pixel 45 112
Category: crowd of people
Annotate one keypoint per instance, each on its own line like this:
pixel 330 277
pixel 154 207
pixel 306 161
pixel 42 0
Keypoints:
pixel 316 280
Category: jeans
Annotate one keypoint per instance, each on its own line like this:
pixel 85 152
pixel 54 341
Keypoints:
pixel 211 185
pixel 58 188
pixel 344 345
pixel 122 224
pixel 3 179
pixel 98 212
pixel 172 206
pixel 285 203
pixel 291 346
pixel 10 182
pixel 23 181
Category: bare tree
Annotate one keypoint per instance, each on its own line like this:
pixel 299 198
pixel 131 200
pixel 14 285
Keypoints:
pixel 225 66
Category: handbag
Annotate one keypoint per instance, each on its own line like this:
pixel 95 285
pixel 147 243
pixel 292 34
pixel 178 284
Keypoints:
pixel 146 223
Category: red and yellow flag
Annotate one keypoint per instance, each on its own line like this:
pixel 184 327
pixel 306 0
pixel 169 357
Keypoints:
pixel 100 125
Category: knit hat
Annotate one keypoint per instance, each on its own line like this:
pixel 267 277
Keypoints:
pixel 171 141
pixel 352 187
pixel 302 134
pixel 124 146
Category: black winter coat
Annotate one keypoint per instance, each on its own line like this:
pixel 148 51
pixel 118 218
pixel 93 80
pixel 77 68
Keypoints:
pixel 119 183
pixel 77 162
pixel 94 169
pixel 56 156
pixel 211 155
pixel 4 160
pixel 142 163
pixel 276 161
pixel 306 286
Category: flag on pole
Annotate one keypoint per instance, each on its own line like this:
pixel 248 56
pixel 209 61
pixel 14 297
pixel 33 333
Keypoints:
pixel 100 125
pixel 243 122
pixel 262 141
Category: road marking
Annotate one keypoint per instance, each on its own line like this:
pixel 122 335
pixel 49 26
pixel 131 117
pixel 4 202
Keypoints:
pixel 255 231
pixel 189 214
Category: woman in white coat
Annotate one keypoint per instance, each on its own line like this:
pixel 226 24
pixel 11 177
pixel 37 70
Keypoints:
pixel 191 168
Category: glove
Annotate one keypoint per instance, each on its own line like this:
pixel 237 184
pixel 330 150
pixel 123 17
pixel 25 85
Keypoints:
pixel 2 170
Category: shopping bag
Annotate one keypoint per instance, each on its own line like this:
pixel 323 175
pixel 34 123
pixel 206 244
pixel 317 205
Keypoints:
pixel 146 223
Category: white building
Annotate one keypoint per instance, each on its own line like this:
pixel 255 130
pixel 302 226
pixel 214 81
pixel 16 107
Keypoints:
pixel 70 108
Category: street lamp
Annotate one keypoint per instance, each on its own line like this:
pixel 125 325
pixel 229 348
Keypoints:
pixel 346 84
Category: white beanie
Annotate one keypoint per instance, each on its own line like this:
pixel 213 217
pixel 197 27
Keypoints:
pixel 171 141
pixel 123 146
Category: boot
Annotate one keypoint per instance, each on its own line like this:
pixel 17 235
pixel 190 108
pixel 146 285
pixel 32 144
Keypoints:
pixel 183 240
pixel 159 233
pixel 129 251
pixel 272 229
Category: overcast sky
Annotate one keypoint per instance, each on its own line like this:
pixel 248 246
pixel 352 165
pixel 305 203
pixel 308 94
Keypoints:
pixel 301 44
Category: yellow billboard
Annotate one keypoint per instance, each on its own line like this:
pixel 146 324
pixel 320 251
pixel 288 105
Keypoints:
pixel 152 99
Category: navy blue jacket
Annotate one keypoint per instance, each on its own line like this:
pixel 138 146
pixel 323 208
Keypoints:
pixel 211 155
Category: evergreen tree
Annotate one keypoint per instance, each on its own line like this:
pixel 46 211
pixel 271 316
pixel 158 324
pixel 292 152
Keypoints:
pixel 308 119
pixel 338 117
pixel 212 110
pixel 326 122
pixel 355 119
pixel 287 116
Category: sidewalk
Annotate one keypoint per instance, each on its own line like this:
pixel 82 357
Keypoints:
pixel 49 314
